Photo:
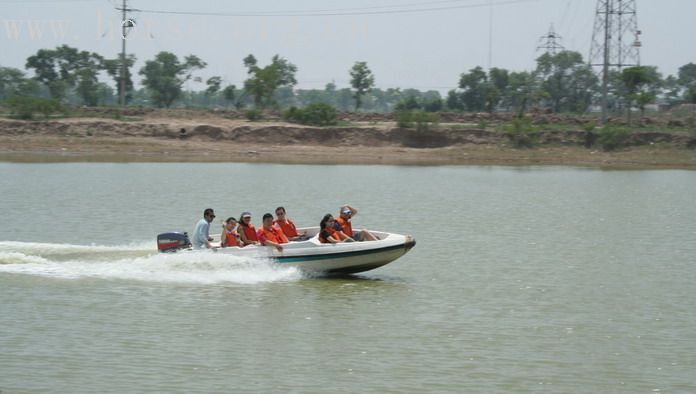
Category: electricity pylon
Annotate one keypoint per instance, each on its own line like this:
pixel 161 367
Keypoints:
pixel 615 40
pixel 551 42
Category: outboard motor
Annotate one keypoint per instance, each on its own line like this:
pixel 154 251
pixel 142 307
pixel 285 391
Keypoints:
pixel 172 242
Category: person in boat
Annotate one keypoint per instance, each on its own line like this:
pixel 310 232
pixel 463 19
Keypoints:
pixel 246 230
pixel 229 236
pixel 328 232
pixel 201 235
pixel 287 225
pixel 270 235
pixel 343 223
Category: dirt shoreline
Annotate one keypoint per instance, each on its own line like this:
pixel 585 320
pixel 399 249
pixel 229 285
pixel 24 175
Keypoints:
pixel 211 138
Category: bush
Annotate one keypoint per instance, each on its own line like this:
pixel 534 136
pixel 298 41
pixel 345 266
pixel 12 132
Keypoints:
pixel 421 120
pixel 691 124
pixel 589 126
pixel 411 103
pixel 404 119
pixel 521 133
pixel 613 138
pixel 317 114
pixel 408 104
pixel 22 107
pixel 253 114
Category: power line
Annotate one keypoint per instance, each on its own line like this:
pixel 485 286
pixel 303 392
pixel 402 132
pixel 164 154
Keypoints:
pixel 268 13
pixel 28 2
pixel 332 13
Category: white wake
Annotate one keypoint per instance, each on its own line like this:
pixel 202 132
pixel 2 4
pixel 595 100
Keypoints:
pixel 138 262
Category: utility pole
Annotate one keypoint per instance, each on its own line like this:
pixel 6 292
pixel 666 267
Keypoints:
pixel 490 33
pixel 125 25
pixel 615 41
pixel 551 42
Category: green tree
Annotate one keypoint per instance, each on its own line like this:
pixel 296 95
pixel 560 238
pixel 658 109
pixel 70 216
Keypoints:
pixel 263 82
pixel 567 82
pixel 687 75
pixel 434 104
pixel 362 80
pixel 113 69
pixel 672 90
pixel 45 69
pixel 474 85
pixel 520 91
pixel 635 80
pixel 454 102
pixel 214 84
pixel 64 68
pixel 408 104
pixel 165 75
pixel 229 93
pixel 13 83
pixel 498 83
pixel 687 82
pixel 690 96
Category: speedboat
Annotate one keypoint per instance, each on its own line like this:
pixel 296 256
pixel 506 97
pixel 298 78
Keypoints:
pixel 310 255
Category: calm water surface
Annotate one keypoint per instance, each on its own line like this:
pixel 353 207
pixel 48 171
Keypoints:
pixel 523 280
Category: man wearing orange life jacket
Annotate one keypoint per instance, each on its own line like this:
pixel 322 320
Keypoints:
pixel 247 231
pixel 343 223
pixel 287 225
pixel 269 235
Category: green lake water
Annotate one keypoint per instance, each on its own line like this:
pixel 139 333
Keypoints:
pixel 523 280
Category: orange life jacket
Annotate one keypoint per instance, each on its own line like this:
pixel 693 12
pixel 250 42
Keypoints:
pixel 346 226
pixel 249 232
pixel 332 233
pixel 287 226
pixel 230 239
pixel 274 235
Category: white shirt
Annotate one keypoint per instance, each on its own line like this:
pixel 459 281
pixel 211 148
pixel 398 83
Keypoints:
pixel 201 234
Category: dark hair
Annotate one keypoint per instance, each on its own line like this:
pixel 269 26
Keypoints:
pixel 208 211
pixel 279 208
pixel 325 219
pixel 229 219
pixel 266 216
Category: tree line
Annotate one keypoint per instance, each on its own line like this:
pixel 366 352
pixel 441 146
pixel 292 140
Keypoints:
pixel 561 82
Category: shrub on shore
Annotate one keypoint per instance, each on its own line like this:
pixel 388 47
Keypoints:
pixel 318 114
pixel 23 107
pixel 613 138
pixel 420 120
pixel 253 114
pixel 522 133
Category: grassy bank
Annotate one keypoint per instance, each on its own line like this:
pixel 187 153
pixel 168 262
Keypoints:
pixel 205 135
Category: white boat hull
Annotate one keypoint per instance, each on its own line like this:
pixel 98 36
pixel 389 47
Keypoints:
pixel 347 257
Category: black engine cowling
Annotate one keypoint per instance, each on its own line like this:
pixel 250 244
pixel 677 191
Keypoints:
pixel 171 242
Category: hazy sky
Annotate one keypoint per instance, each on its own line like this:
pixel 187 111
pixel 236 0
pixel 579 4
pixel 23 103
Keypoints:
pixel 419 49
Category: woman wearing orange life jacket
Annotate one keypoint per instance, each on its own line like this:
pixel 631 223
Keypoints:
pixel 287 225
pixel 247 231
pixel 271 236
pixel 328 233
pixel 229 236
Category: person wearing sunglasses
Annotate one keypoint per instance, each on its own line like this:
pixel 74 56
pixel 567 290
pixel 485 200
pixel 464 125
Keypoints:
pixel 344 224
pixel 246 230
pixel 201 235
pixel 270 235
pixel 287 225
